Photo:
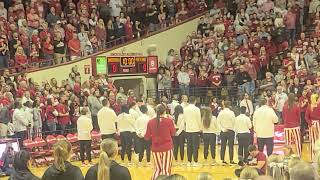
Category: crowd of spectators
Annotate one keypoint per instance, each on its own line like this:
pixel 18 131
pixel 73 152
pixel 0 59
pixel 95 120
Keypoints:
pixel 39 33
pixel 28 106
pixel 251 45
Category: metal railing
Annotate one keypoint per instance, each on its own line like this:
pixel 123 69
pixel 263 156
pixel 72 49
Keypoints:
pixel 204 94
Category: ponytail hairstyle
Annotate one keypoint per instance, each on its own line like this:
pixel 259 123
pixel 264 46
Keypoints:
pixel 61 152
pixel 206 117
pixel 177 111
pixel 160 111
pixel 109 149
pixel 291 101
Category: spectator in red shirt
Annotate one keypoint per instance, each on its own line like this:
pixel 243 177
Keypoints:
pixel 128 29
pixel 45 32
pixel 20 57
pixel 291 120
pixel 290 22
pixel 215 78
pixel 63 114
pixel 51 114
pixel 74 47
pixel 101 33
pixel 161 142
pixel 48 52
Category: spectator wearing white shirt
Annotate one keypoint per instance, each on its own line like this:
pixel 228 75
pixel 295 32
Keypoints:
pixel 126 128
pixel 26 97
pixel 280 99
pixel 179 138
pixel 20 122
pixel 184 81
pixel 141 128
pixel 107 120
pixel 264 119
pixel 192 117
pixel 246 102
pixel 210 132
pixel 242 128
pixel 150 105
pixel 184 101
pixel 84 128
pixel 116 6
pixel 174 103
pixel 28 114
pixel 226 121
pixel 134 111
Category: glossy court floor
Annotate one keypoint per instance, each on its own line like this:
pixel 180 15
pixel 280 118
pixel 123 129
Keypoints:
pixel 218 172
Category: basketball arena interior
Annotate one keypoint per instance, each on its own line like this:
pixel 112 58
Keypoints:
pixel 159 89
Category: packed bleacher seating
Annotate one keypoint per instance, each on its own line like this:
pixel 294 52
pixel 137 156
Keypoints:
pixel 40 33
pixel 255 47
pixel 265 50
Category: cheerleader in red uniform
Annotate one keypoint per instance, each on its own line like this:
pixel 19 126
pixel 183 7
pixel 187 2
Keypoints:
pixel 291 120
pixel 312 117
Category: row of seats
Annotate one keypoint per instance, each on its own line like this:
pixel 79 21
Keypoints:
pixel 41 149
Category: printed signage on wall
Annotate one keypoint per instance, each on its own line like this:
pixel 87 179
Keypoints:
pixel 152 64
pixel 87 69
pixel 101 64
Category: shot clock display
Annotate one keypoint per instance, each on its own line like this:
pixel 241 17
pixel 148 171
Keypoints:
pixel 126 65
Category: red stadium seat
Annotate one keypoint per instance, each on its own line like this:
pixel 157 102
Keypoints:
pixel 72 138
pixel 28 144
pixel 51 140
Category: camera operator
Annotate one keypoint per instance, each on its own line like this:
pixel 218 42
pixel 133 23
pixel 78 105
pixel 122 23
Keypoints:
pixel 256 160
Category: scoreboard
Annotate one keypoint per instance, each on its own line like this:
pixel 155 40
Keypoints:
pixel 125 65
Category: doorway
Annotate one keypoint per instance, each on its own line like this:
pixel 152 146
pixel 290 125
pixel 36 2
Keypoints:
pixel 134 83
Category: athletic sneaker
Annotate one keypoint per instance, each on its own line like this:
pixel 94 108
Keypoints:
pixel 196 165
pixel 139 164
pixel 233 163
pixel 213 162
pixel 188 164
pixel 224 163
